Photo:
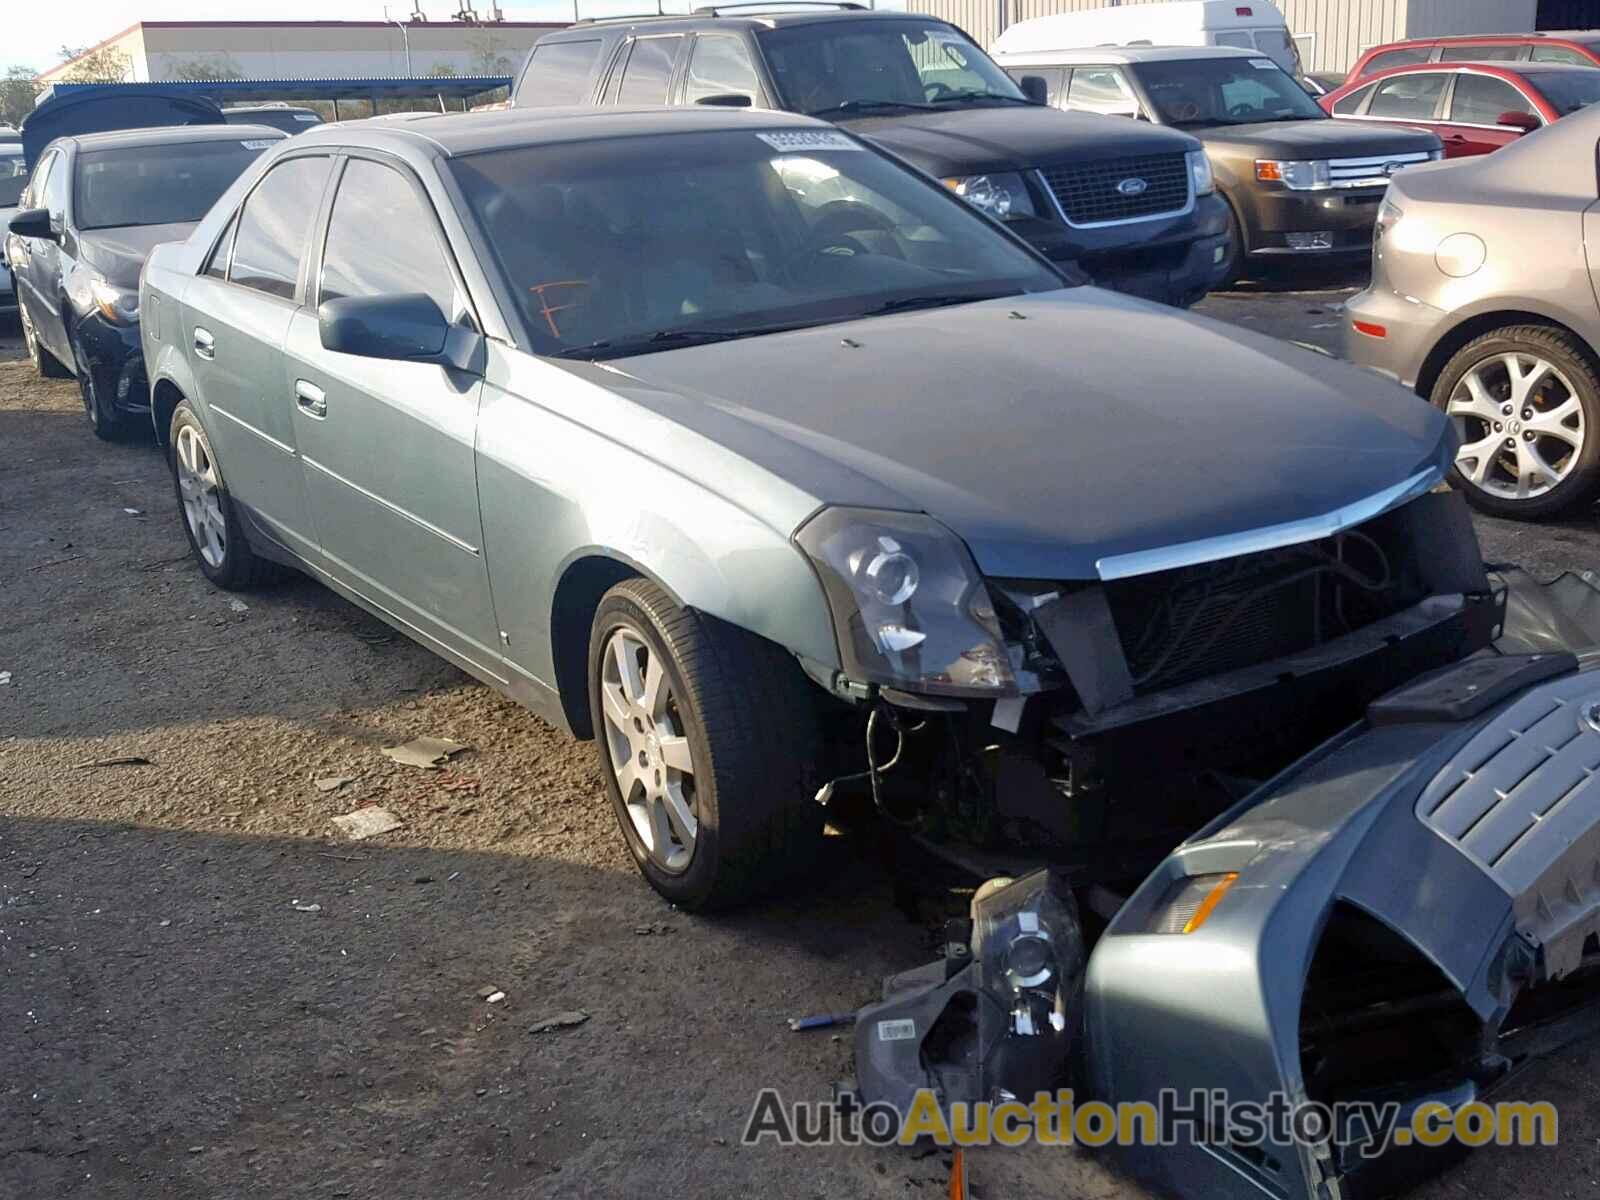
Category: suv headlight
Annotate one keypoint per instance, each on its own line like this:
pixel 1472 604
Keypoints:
pixel 117 305
pixel 1297 176
pixel 909 607
pixel 1200 173
pixel 1001 196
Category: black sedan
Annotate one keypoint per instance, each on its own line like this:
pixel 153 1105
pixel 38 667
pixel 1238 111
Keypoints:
pixel 94 208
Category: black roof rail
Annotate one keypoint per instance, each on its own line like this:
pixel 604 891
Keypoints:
pixel 716 10
pixel 626 17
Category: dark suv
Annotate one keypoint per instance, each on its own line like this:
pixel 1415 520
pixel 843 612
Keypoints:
pixel 1132 205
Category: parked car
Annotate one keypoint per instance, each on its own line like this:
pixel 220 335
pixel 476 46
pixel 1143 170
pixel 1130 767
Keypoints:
pixel 1576 47
pixel 1132 206
pixel 598 405
pixel 13 178
pixel 1295 182
pixel 1481 301
pixel 1257 26
pixel 93 208
pixel 287 118
pixel 1473 109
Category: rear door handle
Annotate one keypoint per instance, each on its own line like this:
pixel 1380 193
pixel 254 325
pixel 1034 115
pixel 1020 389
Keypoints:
pixel 204 344
pixel 311 399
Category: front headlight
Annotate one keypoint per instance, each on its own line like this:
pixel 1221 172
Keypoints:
pixel 1200 173
pixel 909 607
pixel 1001 196
pixel 1297 176
pixel 117 305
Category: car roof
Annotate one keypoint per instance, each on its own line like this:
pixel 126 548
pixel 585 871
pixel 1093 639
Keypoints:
pixel 454 134
pixel 161 135
pixel 729 18
pixel 1131 54
pixel 1528 69
pixel 1582 36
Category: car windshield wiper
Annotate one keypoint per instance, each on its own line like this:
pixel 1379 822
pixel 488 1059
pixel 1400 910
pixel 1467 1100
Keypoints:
pixel 936 300
pixel 673 339
pixel 956 97
pixel 862 106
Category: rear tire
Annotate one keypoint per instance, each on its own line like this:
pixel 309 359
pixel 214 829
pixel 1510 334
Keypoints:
pixel 210 520
pixel 1234 269
pixel 1553 395
pixel 108 424
pixel 713 732
pixel 46 364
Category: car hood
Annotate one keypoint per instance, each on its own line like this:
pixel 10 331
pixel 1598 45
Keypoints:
pixel 1319 139
pixel 1052 431
pixel 119 254
pixel 973 140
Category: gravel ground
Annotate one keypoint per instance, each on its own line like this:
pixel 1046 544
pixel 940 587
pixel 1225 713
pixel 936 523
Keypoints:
pixel 175 1023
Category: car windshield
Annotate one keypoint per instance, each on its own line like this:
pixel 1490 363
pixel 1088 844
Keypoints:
pixel 1568 91
pixel 1225 91
pixel 644 243
pixel 13 176
pixel 832 68
pixel 158 185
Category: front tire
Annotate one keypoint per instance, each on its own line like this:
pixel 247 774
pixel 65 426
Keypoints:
pixel 1234 264
pixel 1525 401
pixel 108 424
pixel 708 741
pixel 210 521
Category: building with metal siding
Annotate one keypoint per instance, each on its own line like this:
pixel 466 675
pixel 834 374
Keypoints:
pixel 1332 33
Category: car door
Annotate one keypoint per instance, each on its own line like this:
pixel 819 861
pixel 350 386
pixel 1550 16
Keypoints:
pixel 236 317
pixel 1477 102
pixel 387 446
pixel 20 250
pixel 46 259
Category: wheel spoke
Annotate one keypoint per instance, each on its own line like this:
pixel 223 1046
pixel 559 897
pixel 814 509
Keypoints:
pixel 616 708
pixel 660 824
pixel 627 776
pixel 1481 405
pixel 1481 455
pixel 624 651
pixel 1553 423
pixel 679 816
pixel 653 695
pixel 675 753
pixel 1533 472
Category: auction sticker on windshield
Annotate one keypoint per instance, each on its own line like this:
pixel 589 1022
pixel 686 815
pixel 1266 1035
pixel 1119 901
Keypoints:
pixel 808 139
pixel 256 145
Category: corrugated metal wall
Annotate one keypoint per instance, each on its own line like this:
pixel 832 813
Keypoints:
pixel 1342 28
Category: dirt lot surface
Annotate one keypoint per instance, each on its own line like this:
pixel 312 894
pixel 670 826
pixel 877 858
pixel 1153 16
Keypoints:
pixel 204 992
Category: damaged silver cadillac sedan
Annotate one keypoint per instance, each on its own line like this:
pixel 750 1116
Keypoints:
pixel 728 441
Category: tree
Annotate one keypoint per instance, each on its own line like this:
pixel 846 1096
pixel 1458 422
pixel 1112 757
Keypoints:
pixel 105 65
pixel 442 71
pixel 215 66
pixel 18 90
pixel 487 58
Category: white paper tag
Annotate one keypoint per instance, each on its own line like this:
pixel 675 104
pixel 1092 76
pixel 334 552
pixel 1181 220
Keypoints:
pixel 897 1031
pixel 789 140
pixel 259 144
pixel 308 118
pixel 1263 64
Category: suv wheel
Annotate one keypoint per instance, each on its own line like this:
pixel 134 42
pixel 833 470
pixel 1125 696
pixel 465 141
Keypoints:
pixel 1526 403
pixel 46 364
pixel 707 737
pixel 209 520
pixel 108 424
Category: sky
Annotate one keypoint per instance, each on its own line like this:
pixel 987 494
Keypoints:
pixel 37 42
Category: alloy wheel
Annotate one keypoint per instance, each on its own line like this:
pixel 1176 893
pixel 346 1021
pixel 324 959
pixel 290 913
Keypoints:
pixel 87 386
pixel 1521 425
pixel 649 749
pixel 201 493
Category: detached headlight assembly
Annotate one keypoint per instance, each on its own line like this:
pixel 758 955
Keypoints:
pixel 117 305
pixel 1000 196
pixel 909 607
pixel 1297 176
pixel 1200 174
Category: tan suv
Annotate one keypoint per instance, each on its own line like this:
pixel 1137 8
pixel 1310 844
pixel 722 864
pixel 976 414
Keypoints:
pixel 1483 300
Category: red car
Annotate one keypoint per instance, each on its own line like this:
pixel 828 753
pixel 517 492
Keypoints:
pixel 1473 107
pixel 1580 48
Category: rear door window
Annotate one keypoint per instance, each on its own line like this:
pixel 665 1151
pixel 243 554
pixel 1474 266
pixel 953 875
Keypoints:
pixel 34 196
pixel 276 225
pixel 648 71
pixel 1481 99
pixel 1397 58
pixel 1101 90
pixel 54 195
pixel 1409 97
pixel 721 66
pixel 1486 52
pixel 558 73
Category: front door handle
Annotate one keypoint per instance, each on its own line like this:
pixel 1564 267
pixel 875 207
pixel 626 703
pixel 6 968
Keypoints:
pixel 204 344
pixel 311 399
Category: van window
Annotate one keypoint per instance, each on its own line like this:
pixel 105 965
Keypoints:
pixel 1409 97
pixel 558 73
pixel 1277 45
pixel 649 71
pixel 1397 58
pixel 1101 90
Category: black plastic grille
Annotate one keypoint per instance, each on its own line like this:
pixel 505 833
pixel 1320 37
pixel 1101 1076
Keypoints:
pixel 1088 192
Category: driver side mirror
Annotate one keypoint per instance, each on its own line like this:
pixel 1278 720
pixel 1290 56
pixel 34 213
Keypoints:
pixel 1524 121
pixel 1035 88
pixel 726 100
pixel 402 328
pixel 34 223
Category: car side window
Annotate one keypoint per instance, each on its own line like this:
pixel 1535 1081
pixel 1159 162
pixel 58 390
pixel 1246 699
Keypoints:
pixel 558 73
pixel 1101 90
pixel 1352 103
pixel 54 196
pixel 383 240
pixel 275 226
pixel 1409 97
pixel 648 70
pixel 1481 99
pixel 34 197
pixel 721 66
pixel 217 265
pixel 1487 52
pixel 1562 54
pixel 1396 58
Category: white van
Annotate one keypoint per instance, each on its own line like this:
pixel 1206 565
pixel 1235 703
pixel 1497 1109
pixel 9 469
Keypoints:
pixel 1248 24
